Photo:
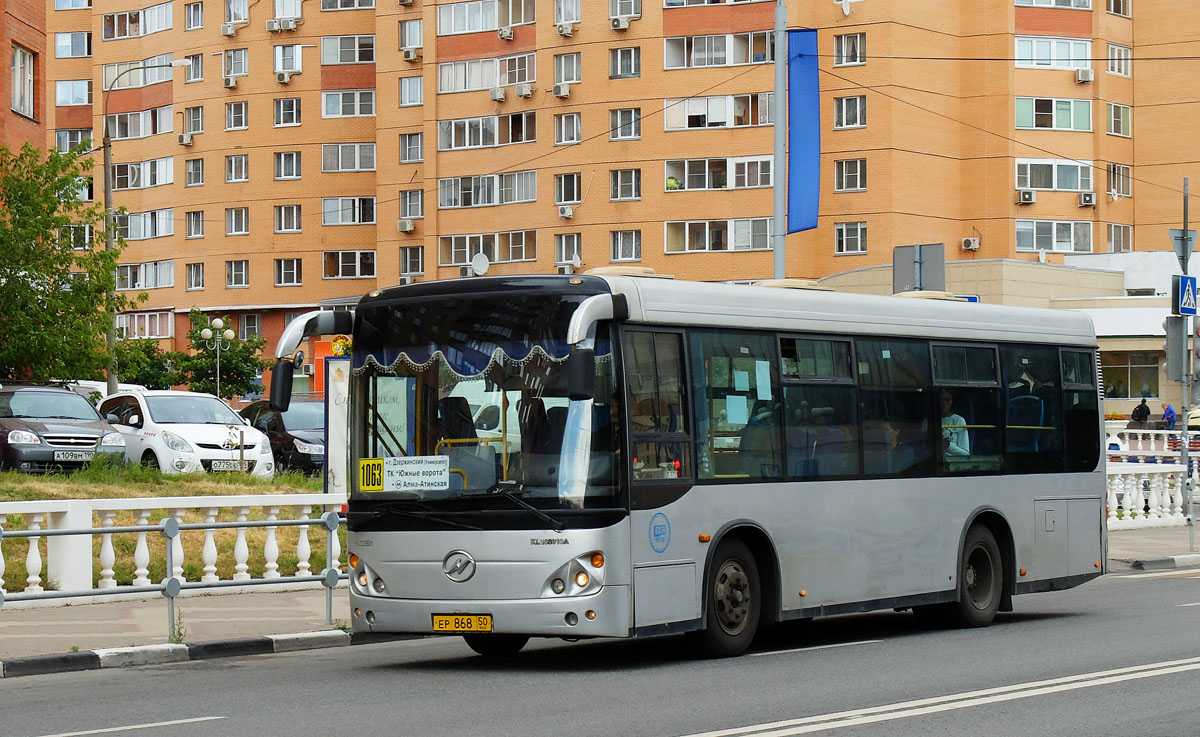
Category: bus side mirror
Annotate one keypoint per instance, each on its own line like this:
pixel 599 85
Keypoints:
pixel 281 384
pixel 581 374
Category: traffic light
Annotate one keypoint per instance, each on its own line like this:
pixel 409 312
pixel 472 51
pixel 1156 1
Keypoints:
pixel 1174 346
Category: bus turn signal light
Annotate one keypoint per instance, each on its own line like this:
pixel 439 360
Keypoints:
pixel 597 560
pixel 1023 571
pixel 1097 564
pixel 353 561
pixel 705 537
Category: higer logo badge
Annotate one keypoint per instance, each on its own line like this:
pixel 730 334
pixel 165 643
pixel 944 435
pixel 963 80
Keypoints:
pixel 458 565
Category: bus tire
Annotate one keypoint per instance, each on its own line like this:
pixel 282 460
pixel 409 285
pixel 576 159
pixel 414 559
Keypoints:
pixel 734 601
pixel 980 579
pixel 496 646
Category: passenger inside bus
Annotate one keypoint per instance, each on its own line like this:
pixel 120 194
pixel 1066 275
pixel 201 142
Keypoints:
pixel 955 441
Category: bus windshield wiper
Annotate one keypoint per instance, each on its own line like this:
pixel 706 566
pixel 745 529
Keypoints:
pixel 505 488
pixel 415 515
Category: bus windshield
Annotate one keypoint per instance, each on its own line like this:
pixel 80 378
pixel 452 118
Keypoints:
pixel 467 398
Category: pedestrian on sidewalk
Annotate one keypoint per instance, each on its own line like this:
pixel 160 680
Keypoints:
pixel 1169 416
pixel 1141 414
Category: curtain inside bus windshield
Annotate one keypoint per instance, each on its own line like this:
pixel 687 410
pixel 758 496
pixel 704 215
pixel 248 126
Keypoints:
pixel 475 399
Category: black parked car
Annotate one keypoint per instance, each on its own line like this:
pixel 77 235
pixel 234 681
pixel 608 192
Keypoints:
pixel 297 436
pixel 48 428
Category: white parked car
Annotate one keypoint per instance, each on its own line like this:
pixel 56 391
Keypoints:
pixel 184 432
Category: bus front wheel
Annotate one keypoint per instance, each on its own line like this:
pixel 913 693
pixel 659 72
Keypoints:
pixel 734 601
pixel 496 646
pixel 980 579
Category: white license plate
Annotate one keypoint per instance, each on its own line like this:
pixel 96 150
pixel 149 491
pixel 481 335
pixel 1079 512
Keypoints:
pixel 231 465
pixel 74 455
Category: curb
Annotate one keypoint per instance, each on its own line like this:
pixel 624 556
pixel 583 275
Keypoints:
pixel 1173 561
pixel 120 657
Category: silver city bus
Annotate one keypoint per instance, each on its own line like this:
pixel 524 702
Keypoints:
pixel 611 456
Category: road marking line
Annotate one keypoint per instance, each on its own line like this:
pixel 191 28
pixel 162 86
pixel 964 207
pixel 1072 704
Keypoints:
pixel 1164 574
pixel 150 725
pixel 951 702
pixel 1192 604
pixel 815 647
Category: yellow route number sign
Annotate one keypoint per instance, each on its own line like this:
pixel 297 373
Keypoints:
pixel 370 474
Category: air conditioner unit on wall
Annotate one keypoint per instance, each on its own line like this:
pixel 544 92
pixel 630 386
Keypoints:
pixel 273 24
pixel 228 29
pixel 565 29
pixel 405 225
pixel 562 89
pixel 410 54
pixel 405 2
pixel 620 23
pixel 1087 199
pixel 505 33
pixel 1026 196
pixel 185 139
pixel 523 89
pixel 564 269
pixel 307 369
pixel 970 244
pixel 566 211
pixel 283 77
pixel 497 94
pixel 230 82
pixel 287 24
pixel 1084 75
pixel 405 279
pixel 466 271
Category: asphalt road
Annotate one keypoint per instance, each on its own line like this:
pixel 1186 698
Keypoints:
pixel 1119 656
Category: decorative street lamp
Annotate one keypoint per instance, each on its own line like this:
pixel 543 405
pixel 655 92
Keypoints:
pixel 218 341
pixel 110 333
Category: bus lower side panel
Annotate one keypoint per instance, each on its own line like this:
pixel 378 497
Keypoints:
pixel 1055 584
pixel 856 607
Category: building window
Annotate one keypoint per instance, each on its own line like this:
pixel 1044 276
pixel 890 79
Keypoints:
pixel 194 172
pixel 134 23
pixel 287 218
pixel 412 148
pixel 195 224
pixel 348 211
pixel 237 168
pixel 193 120
pixel 348 50
pixel 346 4
pixel 625 63
pixel 412 261
pixel 1119 7
pixel 72 45
pixel 72 4
pixel 624 124
pixel 235 116
pixel 348 103
pixel 1067 175
pixel 1078 4
pixel 195 276
pixel 1119 119
pixel 1054 114
pixel 143 174
pixel 566 189
pixel 567 248
pixel 412 91
pixel 626 245
pixel 144 325
pixel 1130 375
pixel 72 92
pixel 725 49
pixel 701 174
pixel 412 203
pixel 141 123
pixel 626 184
pixel 567 129
pixel 748 234
pixel 567 68
pixel 850 238
pixel 850 175
pixel 135 226
pixel 236 63
pixel 69 138
pixel 251 326
pixel 288 272
pixel 1041 52
pixel 194 71
pixel 349 264
pixel 850 49
pixel 476 191
pixel 1056 236
pixel 78 237
pixel 1120 180
pixel 566 11
pixel 287 165
pixel 287 111
pixel 1120 60
pixel 237 274
pixel 1120 238
pixel 411 34
pixel 193 16
pixel 22 81
pixel 288 58
pixel 505 247
pixel 237 221
pixel 348 157
pixel 850 112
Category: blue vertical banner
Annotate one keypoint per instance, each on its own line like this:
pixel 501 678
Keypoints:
pixel 804 132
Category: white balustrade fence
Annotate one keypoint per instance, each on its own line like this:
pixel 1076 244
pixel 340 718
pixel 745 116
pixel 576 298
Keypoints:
pixel 1145 479
pixel 70 559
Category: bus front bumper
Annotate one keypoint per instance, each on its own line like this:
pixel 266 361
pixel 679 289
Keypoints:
pixel 536 617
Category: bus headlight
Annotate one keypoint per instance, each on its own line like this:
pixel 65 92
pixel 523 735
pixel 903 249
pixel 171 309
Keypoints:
pixel 557 586
pixel 582 579
pixel 583 574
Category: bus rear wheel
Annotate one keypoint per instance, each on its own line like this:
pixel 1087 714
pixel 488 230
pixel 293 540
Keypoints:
pixel 734 601
pixel 980 579
pixel 496 646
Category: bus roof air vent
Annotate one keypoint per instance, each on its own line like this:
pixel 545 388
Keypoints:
pixel 794 284
pixel 644 271
pixel 930 294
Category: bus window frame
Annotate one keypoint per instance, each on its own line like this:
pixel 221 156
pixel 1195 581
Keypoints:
pixel 943 467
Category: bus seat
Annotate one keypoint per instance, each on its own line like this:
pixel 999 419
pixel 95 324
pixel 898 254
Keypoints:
pixel 1027 410
pixel 758 449
pixel 556 425
pixel 800 441
pixel 531 416
pixel 455 414
pixel 877 449
pixel 835 452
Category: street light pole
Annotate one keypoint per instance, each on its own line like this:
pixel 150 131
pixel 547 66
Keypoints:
pixel 217 341
pixel 110 297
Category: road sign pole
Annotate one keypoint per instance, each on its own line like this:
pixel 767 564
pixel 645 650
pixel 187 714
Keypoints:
pixel 1184 248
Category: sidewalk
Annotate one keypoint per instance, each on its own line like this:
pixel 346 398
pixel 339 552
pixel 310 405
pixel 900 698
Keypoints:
pixel 243 623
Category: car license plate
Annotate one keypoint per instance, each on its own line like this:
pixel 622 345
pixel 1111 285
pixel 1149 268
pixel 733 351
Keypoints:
pixel 74 455
pixel 230 465
pixel 462 623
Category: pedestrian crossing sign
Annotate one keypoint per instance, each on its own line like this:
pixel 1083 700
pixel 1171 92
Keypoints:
pixel 1183 293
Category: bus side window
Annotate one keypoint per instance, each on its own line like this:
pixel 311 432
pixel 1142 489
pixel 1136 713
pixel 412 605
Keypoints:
pixel 1081 401
pixel 1032 409
pixel 659 427
pixel 894 392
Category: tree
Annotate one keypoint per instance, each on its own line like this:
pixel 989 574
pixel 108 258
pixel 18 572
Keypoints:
pixel 53 279
pixel 240 362
pixel 143 361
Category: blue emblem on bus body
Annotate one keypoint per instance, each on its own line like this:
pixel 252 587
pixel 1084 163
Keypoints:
pixel 660 532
